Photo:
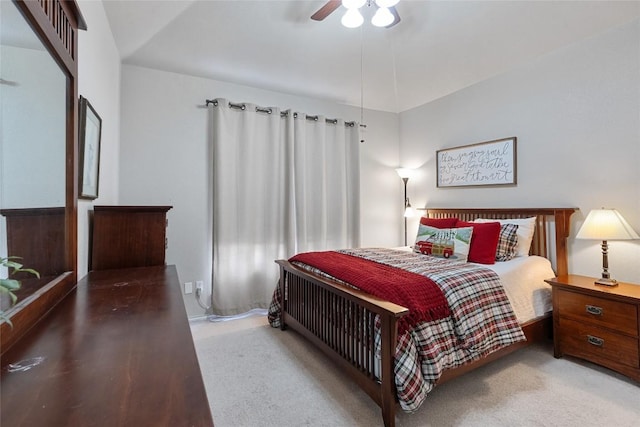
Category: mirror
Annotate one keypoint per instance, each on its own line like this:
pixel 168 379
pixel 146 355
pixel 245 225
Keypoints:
pixel 33 147
pixel 38 169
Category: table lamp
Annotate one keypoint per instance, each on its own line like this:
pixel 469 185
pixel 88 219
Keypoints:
pixel 606 224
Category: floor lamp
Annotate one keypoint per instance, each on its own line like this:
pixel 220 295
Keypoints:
pixel 408 210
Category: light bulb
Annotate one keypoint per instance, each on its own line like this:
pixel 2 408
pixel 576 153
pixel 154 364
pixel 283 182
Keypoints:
pixel 386 3
pixel 409 212
pixel 353 4
pixel 404 172
pixel 382 18
pixel 352 19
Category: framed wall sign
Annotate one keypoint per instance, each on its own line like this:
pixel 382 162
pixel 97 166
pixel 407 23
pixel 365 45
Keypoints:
pixel 483 164
pixel 89 158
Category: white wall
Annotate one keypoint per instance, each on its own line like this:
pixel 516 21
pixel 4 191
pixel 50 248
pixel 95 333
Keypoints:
pixel 576 114
pixel 164 160
pixel 99 82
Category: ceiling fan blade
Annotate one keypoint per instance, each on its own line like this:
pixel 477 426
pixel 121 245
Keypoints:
pixel 396 17
pixel 326 10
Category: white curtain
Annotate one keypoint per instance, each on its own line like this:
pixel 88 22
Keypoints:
pixel 282 184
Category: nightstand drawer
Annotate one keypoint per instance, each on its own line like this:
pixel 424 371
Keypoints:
pixel 617 315
pixel 585 340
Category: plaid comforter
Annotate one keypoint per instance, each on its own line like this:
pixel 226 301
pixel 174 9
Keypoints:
pixel 481 322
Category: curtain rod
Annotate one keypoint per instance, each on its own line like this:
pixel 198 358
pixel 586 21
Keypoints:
pixel 282 114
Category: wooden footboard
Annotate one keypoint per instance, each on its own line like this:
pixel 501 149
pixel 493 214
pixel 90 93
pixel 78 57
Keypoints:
pixel 341 320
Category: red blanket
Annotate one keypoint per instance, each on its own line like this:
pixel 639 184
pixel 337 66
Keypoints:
pixel 419 294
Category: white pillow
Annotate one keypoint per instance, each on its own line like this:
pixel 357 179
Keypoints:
pixel 526 227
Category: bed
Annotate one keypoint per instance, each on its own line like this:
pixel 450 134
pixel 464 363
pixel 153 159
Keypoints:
pixel 360 332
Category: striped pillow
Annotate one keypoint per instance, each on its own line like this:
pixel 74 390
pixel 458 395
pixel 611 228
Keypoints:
pixel 507 242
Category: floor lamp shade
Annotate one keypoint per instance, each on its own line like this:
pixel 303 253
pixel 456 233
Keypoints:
pixel 404 173
pixel 606 224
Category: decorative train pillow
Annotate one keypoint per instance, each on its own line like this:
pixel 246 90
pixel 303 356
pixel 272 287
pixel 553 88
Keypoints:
pixel 450 243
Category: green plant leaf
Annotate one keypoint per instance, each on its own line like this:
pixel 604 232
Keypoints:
pixel 29 270
pixel 10 284
pixel 7 286
pixel 5 318
pixel 12 264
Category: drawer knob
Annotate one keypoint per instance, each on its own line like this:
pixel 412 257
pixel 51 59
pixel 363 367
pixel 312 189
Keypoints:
pixel 598 342
pixel 592 309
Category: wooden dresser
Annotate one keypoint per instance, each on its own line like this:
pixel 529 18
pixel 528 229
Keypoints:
pixel 128 236
pixel 597 323
pixel 117 351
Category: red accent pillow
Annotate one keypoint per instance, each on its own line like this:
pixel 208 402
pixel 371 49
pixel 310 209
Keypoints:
pixel 484 241
pixel 439 222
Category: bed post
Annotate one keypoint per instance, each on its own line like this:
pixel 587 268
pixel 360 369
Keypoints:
pixel 562 223
pixel 389 337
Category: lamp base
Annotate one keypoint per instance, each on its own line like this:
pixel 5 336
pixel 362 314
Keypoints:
pixel 606 282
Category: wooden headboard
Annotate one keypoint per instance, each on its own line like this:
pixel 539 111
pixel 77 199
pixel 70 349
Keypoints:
pixel 549 222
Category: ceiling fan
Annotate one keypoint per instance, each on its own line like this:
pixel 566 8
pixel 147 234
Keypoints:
pixel 330 6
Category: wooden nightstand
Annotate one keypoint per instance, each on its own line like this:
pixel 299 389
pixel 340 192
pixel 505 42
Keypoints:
pixel 597 323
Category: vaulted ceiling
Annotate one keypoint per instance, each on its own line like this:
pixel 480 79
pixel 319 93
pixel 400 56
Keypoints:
pixel 439 47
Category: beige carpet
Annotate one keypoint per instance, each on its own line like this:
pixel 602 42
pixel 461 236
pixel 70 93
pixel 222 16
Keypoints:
pixel 259 376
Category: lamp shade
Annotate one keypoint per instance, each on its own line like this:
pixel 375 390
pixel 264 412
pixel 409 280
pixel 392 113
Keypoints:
pixel 382 18
pixel 404 172
pixel 409 212
pixel 606 224
pixel 352 18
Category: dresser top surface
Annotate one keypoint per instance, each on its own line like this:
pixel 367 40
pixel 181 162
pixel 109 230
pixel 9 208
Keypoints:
pixel 118 348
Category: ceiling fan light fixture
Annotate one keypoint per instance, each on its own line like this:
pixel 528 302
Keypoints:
pixel 387 3
pixel 382 18
pixel 353 4
pixel 385 16
pixel 352 19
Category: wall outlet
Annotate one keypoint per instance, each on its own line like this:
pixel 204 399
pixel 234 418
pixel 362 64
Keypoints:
pixel 188 288
pixel 199 285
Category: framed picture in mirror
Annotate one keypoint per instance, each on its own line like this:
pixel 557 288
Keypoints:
pixel 89 152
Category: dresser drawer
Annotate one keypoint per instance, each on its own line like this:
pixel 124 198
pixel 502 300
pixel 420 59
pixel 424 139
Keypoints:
pixel 585 340
pixel 617 315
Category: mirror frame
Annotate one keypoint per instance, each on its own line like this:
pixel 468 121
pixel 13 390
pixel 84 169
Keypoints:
pixel 56 23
